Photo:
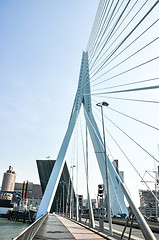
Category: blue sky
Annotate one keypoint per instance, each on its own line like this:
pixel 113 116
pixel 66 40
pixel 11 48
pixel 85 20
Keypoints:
pixel 41 46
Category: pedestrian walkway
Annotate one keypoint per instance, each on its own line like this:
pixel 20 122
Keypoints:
pixel 78 231
pixel 57 227
pixel 53 228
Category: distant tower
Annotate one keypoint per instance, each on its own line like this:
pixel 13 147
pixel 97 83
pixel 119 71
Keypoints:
pixel 8 182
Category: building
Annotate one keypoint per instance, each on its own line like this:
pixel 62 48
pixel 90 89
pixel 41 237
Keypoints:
pixel 85 203
pixel 8 183
pixel 29 192
pixel 118 205
pixel 148 205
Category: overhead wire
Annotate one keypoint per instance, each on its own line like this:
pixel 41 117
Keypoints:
pixel 125 38
pixel 118 28
pixel 115 192
pixel 131 33
pixel 148 44
pixel 109 35
pixel 106 63
pixel 127 84
pixel 122 52
pixel 128 116
pixel 150 175
pixel 110 152
pixel 96 24
pixel 122 30
pixel 130 99
pixel 77 152
pixel 137 120
pixel 103 22
pixel 106 22
pixel 100 142
pixel 130 138
pixel 83 149
pixel 128 70
pixel 99 25
pixel 127 90
pixel 142 178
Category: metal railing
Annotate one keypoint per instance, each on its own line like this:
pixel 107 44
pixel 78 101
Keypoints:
pixel 30 232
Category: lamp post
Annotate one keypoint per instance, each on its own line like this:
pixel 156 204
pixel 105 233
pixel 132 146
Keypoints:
pixel 63 194
pixel 63 197
pixel 72 195
pixel 106 167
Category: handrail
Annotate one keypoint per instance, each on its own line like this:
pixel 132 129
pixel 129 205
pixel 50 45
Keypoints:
pixel 30 231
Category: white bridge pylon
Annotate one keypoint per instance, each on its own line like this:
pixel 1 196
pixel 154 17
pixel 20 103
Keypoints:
pixel 83 97
pixel 116 184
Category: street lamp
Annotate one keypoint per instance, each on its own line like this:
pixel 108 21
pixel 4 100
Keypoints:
pixel 105 104
pixel 63 201
pixel 72 196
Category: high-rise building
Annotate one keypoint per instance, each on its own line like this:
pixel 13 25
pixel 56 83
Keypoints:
pixel 148 205
pixel 149 199
pixel 114 187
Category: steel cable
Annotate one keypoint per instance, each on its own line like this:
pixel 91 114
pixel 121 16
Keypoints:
pixel 130 99
pixel 122 30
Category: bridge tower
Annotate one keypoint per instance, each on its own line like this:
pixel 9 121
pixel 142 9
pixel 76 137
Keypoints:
pixel 83 98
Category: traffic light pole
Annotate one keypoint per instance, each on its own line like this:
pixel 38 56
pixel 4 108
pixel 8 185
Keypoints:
pixel 100 207
pixel 101 217
pixel 80 200
pixel 77 208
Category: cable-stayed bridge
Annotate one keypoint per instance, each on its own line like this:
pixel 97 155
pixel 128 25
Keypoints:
pixel 114 110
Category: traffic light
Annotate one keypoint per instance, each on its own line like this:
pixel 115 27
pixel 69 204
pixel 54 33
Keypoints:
pixel 80 198
pixel 150 205
pixel 100 190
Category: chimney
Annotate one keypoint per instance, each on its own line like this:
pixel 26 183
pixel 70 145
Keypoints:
pixel 23 190
pixel 26 190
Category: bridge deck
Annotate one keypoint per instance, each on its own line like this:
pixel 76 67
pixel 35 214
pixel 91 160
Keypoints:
pixel 57 227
